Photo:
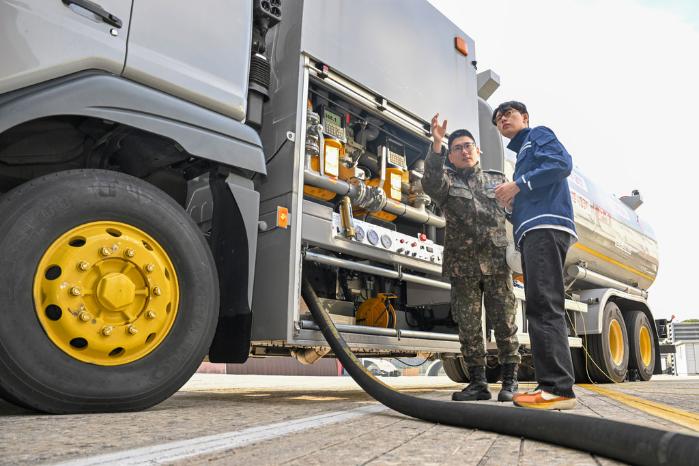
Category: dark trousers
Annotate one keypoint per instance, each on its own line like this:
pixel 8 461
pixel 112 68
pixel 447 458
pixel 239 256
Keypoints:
pixel 543 255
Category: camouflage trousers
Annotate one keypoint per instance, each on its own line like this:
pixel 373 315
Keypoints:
pixel 495 291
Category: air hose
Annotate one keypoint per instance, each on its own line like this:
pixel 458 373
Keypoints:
pixel 612 439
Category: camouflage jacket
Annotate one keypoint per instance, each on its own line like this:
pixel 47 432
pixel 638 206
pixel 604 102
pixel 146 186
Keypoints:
pixel 475 237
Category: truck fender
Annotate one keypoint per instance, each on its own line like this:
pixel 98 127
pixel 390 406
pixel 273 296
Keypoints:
pixel 201 132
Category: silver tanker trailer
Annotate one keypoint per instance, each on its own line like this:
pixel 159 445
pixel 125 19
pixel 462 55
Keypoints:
pixel 164 204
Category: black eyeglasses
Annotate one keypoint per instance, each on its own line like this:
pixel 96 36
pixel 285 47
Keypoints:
pixel 506 114
pixel 468 147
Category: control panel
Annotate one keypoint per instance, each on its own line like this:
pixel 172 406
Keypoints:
pixel 396 154
pixel 416 247
pixel 333 124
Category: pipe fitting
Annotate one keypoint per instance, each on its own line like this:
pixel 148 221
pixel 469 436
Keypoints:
pixel 307 356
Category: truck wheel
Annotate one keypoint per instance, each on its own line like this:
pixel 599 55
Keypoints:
pixel 109 296
pixel 609 350
pixel 454 369
pixel 579 371
pixel 641 344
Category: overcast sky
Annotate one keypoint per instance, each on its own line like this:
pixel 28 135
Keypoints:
pixel 617 81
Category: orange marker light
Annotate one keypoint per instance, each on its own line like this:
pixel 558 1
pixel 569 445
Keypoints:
pixel 282 217
pixel 461 45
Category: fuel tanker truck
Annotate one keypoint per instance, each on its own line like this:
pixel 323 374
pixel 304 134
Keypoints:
pixel 171 175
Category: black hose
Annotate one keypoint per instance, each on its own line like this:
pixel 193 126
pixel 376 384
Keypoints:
pixel 617 440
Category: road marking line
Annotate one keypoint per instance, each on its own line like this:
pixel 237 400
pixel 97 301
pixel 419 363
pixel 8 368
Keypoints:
pixel 670 413
pixel 182 449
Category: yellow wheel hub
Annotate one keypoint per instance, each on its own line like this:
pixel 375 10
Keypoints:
pixel 115 291
pixel 616 342
pixel 645 343
pixel 106 293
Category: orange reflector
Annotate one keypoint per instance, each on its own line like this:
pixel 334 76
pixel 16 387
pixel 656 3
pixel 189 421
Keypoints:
pixel 461 46
pixel 282 217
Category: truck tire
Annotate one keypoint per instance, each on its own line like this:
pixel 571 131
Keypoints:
pixel 608 357
pixel 641 344
pixel 109 296
pixel 579 370
pixel 454 369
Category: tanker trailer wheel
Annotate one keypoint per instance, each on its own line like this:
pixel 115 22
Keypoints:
pixel 109 294
pixel 579 370
pixel 455 369
pixel 609 351
pixel 641 344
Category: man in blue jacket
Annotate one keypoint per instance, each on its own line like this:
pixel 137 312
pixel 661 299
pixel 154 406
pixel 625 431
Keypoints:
pixel 544 229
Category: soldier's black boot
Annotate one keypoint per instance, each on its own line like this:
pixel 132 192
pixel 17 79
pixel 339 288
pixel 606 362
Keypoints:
pixel 509 382
pixel 477 389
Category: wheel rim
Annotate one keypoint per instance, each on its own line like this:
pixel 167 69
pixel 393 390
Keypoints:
pixel 616 342
pixel 106 293
pixel 645 345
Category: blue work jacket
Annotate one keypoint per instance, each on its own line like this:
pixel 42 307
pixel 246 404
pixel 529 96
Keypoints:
pixel 542 166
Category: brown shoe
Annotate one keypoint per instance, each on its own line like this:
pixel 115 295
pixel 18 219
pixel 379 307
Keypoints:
pixel 539 399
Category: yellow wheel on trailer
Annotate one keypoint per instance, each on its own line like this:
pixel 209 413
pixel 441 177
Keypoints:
pixel 608 352
pixel 110 293
pixel 641 344
pixel 617 348
pixel 106 293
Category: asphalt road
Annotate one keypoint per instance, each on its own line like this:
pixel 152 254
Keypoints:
pixel 226 419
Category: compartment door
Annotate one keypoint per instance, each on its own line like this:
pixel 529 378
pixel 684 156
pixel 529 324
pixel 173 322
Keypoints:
pixel 47 39
pixel 198 51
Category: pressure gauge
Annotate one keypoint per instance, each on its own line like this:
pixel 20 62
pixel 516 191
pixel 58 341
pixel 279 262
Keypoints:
pixel 373 237
pixel 386 241
pixel 359 233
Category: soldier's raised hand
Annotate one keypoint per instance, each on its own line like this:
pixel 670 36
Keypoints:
pixel 438 132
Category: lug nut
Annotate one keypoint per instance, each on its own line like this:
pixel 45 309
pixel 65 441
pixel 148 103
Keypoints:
pixel 84 316
pixel 150 315
pixel 82 265
pixel 106 331
pixel 129 253
pixel 75 291
pixel 150 268
pixel 105 251
pixel 156 291
pixel 133 330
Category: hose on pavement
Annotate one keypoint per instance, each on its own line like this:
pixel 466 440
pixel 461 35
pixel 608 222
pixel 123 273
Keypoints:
pixel 613 439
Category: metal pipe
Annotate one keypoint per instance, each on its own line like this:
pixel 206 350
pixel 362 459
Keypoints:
pixel 337 186
pixel 581 273
pixel 384 332
pixel 372 269
pixel 321 146
pixel 417 215
pixel 428 335
pixel 347 219
pixel 432 232
pixel 347 189
pixel 383 155
pixel 346 328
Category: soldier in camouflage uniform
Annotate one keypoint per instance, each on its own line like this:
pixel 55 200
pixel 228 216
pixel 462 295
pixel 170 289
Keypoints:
pixel 474 256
